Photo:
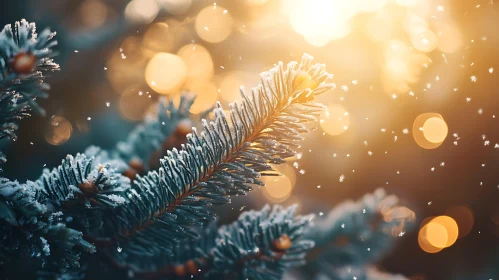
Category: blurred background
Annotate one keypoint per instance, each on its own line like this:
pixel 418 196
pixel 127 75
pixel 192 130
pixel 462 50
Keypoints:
pixel 414 109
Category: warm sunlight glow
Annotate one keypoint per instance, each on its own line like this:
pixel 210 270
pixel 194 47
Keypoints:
pixel 166 73
pixel 435 130
pixel 59 131
pixel 320 21
pixel 206 96
pixel 214 24
pixel 425 41
pixel 277 188
pixel 232 82
pixel 451 229
pixel 429 130
pixel 335 120
pixel 141 11
pixel 158 37
pixel 198 61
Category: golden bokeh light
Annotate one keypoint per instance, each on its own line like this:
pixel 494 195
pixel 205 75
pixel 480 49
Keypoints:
pixel 277 188
pixel 425 41
pixel 451 229
pixel 141 11
pixel 134 104
pixel 198 61
pixel 213 24
pixel 166 73
pixel 435 130
pixel 464 218
pixel 423 241
pixel 402 66
pixel 335 120
pixel 287 170
pixel 256 2
pixel 59 131
pixel 126 65
pixel 206 96
pixel 437 233
pixel 232 82
pixel 435 133
pixel 370 6
pixel 450 37
pixel 158 37
pixel 93 13
pixel 175 7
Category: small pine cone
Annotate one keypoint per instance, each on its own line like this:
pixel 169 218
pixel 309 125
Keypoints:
pixel 191 267
pixel 88 188
pixel 282 243
pixel 184 127
pixel 179 270
pixel 23 63
pixel 130 173
pixel 303 80
pixel 137 165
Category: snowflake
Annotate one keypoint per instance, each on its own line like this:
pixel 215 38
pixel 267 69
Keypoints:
pixel 342 178
pixel 491 70
pixel 473 79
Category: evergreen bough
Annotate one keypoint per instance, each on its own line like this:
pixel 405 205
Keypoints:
pixel 146 205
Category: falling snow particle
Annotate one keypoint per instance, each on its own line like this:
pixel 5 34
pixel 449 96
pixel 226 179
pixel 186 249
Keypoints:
pixel 480 111
pixel 119 249
pixel 302 171
pixel 442 163
pixel 89 118
pixel 108 104
pixel 473 79
pixel 405 131
pixel 370 153
pixel 491 70
pixel 433 169
pixel 342 178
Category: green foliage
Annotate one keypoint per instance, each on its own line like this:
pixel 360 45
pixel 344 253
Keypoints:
pixel 20 90
pixel 354 235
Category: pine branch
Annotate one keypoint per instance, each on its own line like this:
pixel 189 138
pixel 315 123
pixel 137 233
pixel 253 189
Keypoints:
pixel 25 58
pixel 223 160
pixel 82 187
pixel 148 142
pixel 355 234
pixel 45 219
pixel 259 245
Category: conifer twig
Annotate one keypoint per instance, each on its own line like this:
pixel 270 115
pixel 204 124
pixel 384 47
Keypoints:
pixel 224 160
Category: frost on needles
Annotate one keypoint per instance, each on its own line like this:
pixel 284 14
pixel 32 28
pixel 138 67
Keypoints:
pixel 98 208
pixel 25 58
